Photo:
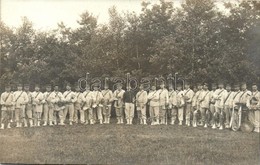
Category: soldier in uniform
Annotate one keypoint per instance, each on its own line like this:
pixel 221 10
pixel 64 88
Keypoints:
pixel 129 99
pixel 20 99
pixel 141 100
pixel 180 103
pixel 219 106
pixel 58 104
pixel 254 115
pixel 203 101
pixel 28 106
pixel 97 104
pixel 118 103
pixel 86 112
pixel 163 102
pixel 69 98
pixel 107 103
pixel 6 100
pixel 37 104
pixel 228 104
pixel 188 95
pixel 47 106
pixel 77 103
pixel 153 101
pixel 195 102
pixel 172 104
pixel 212 102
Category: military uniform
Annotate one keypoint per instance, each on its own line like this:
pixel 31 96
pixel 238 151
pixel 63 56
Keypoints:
pixel 172 105
pixel 97 105
pixel 141 100
pixel 163 102
pixel 118 104
pixel 77 105
pixel 48 107
pixel 20 100
pixel 196 105
pixel 255 110
pixel 128 99
pixel 86 112
pixel 180 105
pixel 29 108
pixel 6 100
pixel 69 98
pixel 58 105
pixel 107 103
pixel 228 105
pixel 37 104
pixel 188 95
pixel 153 100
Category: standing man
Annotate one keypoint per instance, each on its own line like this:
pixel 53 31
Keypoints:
pixel 129 99
pixel 58 103
pixel 28 106
pixel 153 101
pixel 37 103
pixel 20 99
pixel 188 95
pixel 219 106
pixel 228 102
pixel 141 100
pixel 69 97
pixel 180 103
pixel 196 103
pixel 212 102
pixel 163 101
pixel 97 103
pixel 77 103
pixel 47 106
pixel 6 101
pixel 204 100
pixel 86 112
pixel 172 104
pixel 118 103
pixel 254 115
pixel 107 103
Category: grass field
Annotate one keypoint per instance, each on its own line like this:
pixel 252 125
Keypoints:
pixel 123 144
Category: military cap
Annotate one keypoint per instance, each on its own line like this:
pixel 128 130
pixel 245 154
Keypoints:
pixel 254 83
pixel 37 85
pixel 19 85
pixel 228 85
pixel 48 85
pixel 236 85
pixel 242 83
pixel 205 84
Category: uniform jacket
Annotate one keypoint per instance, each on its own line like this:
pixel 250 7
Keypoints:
pixel 20 98
pixel 228 98
pixel 195 98
pixel 219 97
pixel 37 101
pixel 172 99
pixel 6 100
pixel 87 99
pixel 107 97
pixel 78 100
pixel 180 99
pixel 188 94
pixel 245 98
pixel 255 100
pixel 118 97
pixel 153 98
pixel 97 98
pixel 163 97
pixel 204 99
pixel 69 97
pixel 141 98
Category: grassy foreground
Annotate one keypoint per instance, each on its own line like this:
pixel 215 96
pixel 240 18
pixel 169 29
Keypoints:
pixel 123 144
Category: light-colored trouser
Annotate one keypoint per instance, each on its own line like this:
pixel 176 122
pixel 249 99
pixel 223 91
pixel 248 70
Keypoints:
pixel 6 115
pixel 68 108
pixel 180 114
pixel 212 111
pixel 59 113
pixel 119 112
pixel 257 118
pixel 205 115
pixel 162 112
pixel 228 111
pixel 154 112
pixel 77 108
pixel 188 111
pixel 29 111
pixel 129 110
pixel 86 115
pixel 174 112
pixel 47 113
pixel 20 113
pixel 141 112
pixel 107 111
pixel 97 113
pixel 219 115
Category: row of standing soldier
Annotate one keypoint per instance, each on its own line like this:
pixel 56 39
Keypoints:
pixel 190 107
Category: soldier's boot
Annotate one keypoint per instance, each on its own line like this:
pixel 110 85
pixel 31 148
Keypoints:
pixel 206 125
pixel 8 125
pixel 45 123
pixel 50 123
pixel 108 120
pixel 131 121
pixel 61 122
pixel 91 121
pixel 141 121
pixel 55 122
pixel 172 121
pixel 2 126
pixel 38 123
pixel 221 127
pixel 157 122
pixel 17 124
pixel 71 123
pixel 214 126
pixel 118 120
pixel 257 129
pixel 122 120
pixel 105 120
pixel 195 124
pixel 145 122
pixel 25 123
pixel 101 121
pixel 31 123
pixel 180 123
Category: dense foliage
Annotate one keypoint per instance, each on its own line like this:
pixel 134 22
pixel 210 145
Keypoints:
pixel 198 41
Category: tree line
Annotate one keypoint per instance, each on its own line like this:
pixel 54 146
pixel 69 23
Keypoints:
pixel 197 40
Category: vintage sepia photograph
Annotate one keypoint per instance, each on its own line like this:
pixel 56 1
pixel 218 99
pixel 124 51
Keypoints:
pixel 130 82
